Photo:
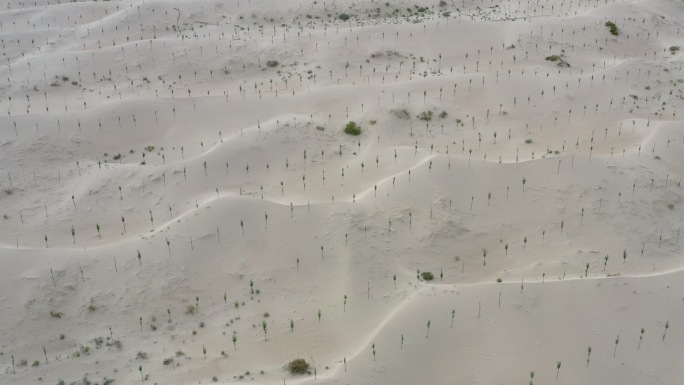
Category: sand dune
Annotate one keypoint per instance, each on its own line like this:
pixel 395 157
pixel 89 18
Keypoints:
pixel 182 205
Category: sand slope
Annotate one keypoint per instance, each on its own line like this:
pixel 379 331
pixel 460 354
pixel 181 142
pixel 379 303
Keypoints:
pixel 168 185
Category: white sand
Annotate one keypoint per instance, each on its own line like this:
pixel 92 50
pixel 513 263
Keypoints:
pixel 252 179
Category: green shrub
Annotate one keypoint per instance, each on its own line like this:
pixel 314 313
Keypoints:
pixel 553 58
pixel 613 28
pixel 272 63
pixel 674 49
pixel 427 276
pixel 298 366
pixel 352 128
pixel 343 17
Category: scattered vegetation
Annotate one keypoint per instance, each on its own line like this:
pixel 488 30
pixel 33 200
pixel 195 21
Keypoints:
pixel 272 63
pixel 427 276
pixel 401 113
pixel 425 115
pixel 343 17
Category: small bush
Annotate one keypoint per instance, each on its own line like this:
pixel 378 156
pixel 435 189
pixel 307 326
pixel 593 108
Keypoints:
pixel 443 114
pixel 613 28
pixel 674 49
pixel 56 314
pixel 528 141
pixel 141 355
pixel 190 309
pixel 298 366
pixel 167 361
pixel 343 17
pixel 553 58
pixel 402 114
pixel 352 129
pixel 272 63
pixel 425 115
pixel 427 276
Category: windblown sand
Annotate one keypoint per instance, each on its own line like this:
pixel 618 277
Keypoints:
pixel 182 205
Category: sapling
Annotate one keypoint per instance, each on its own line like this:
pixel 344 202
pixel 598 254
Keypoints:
pixel 97 226
pixel 394 277
pixel 641 337
pixel 558 366
pixel 73 234
pixel 264 326
pixel 197 304
pixel 484 257
pixel 624 256
pixel 123 222
pixel 617 341
pixel 141 373
pixel 453 314
pixel 234 341
pixel 345 304
pixel 319 315
pixel 588 355
pixel 667 326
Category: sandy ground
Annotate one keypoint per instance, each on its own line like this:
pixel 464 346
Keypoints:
pixel 181 205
